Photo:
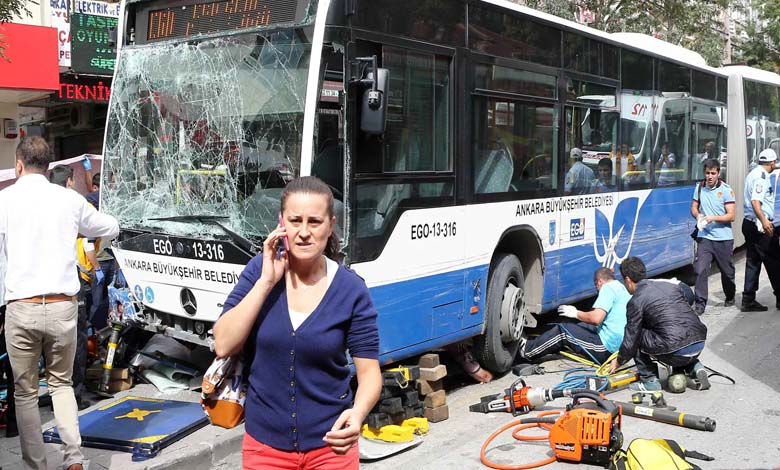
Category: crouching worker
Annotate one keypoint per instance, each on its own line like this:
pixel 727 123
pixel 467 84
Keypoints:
pixel 660 326
pixel 596 334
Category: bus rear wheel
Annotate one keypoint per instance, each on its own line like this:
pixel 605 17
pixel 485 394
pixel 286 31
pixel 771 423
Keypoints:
pixel 505 312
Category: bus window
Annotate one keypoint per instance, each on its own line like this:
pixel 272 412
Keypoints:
pixel 514 146
pixel 708 145
pixel 592 131
pixel 672 157
pixel 416 137
pixel 394 173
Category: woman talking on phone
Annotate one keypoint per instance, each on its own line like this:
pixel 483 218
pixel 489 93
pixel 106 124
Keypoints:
pixel 294 314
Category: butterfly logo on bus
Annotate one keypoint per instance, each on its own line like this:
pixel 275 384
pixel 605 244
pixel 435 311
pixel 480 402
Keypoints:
pixel 615 237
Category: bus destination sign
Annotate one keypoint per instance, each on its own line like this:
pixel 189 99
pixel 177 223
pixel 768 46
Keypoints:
pixel 182 21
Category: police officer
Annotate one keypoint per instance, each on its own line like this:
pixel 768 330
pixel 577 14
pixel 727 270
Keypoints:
pixel 757 228
pixel 579 178
pixel 713 207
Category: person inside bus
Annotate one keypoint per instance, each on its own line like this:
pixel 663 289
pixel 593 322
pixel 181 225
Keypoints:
pixel 294 314
pixel 596 333
pixel 579 178
pixel 666 161
pixel 661 326
pixel 605 182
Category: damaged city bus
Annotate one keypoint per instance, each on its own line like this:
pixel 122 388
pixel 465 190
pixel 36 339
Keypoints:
pixel 444 129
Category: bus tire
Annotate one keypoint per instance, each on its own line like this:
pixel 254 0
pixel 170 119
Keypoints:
pixel 504 315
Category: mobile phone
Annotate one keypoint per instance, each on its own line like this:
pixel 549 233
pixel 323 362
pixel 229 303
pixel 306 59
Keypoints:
pixel 285 245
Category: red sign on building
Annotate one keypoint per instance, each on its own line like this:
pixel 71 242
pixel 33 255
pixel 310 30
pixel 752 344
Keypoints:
pixel 84 89
pixel 32 57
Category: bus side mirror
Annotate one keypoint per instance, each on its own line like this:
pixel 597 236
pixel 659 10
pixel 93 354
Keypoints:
pixel 373 109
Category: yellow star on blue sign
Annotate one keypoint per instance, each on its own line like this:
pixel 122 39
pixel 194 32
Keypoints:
pixel 138 414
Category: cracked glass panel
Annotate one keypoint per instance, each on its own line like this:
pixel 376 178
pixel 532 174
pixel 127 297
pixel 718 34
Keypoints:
pixel 210 128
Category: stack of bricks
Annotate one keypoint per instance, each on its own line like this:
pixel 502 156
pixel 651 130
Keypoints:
pixel 398 400
pixel 430 386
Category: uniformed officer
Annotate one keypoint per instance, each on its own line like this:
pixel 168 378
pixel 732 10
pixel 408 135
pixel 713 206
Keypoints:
pixel 579 178
pixel 713 207
pixel 757 228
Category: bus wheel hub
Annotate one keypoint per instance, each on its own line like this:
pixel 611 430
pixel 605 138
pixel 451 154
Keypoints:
pixel 512 312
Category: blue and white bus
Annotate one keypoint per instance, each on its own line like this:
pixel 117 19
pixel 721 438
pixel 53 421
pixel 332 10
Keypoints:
pixel 444 129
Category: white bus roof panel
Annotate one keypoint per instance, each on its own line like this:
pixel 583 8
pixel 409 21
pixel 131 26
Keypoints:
pixel 751 73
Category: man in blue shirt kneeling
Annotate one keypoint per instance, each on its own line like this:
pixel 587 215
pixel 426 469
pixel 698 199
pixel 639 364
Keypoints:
pixel 596 334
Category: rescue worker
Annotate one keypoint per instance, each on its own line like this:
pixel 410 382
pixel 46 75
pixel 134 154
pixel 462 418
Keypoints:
pixel 596 334
pixel 757 228
pixel 660 326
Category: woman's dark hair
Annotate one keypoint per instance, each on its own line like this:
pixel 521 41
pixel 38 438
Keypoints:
pixel 60 175
pixel 633 268
pixel 314 185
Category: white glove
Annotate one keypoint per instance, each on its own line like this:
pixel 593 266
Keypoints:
pixel 567 311
pixel 759 226
pixel 701 223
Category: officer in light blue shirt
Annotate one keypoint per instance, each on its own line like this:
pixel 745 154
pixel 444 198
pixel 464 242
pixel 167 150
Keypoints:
pixel 713 208
pixel 758 230
pixel 579 178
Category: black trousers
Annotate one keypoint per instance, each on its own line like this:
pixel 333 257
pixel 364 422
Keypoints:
pixel 759 249
pixel 720 252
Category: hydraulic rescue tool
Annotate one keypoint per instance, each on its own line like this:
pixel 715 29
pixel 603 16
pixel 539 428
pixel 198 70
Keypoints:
pixel 700 423
pixel 518 399
pixel 586 432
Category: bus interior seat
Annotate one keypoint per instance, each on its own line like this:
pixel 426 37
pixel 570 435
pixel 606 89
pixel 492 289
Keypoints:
pixel 494 171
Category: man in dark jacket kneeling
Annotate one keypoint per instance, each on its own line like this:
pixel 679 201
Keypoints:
pixel 660 325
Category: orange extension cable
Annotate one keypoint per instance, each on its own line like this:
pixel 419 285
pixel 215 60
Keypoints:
pixel 522 425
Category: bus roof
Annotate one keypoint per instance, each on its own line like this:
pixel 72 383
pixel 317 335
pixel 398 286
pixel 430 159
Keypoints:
pixel 751 73
pixel 636 41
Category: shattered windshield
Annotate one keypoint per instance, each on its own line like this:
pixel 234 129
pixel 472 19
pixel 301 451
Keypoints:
pixel 209 128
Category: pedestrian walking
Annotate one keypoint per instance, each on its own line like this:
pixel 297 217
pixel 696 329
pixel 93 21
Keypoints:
pixel 39 223
pixel 713 208
pixel 294 314
pixel 758 230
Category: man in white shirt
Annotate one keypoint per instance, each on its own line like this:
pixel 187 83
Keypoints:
pixel 39 222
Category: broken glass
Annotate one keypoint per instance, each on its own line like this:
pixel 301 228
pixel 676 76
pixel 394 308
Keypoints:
pixel 206 128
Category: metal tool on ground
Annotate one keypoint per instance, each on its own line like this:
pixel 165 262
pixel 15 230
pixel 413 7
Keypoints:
pixel 656 399
pixel 518 399
pixel 113 341
pixel 587 432
pixel 700 423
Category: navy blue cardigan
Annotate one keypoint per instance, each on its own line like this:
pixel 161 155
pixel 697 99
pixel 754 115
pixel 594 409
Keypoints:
pixel 299 379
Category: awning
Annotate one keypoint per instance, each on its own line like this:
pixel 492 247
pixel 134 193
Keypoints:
pixel 32 68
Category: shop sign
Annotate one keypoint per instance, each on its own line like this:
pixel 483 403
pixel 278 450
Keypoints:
pixel 83 90
pixel 91 50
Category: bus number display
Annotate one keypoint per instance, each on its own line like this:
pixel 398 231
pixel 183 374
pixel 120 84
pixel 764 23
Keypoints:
pixel 211 17
pixel 434 230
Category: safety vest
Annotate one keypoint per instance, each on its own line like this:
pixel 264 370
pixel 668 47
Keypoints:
pixel 86 269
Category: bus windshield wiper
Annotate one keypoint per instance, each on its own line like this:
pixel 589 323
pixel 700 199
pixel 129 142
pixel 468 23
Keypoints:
pixel 190 218
pixel 243 243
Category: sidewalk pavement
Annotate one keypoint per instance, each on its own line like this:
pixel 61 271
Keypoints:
pixel 745 346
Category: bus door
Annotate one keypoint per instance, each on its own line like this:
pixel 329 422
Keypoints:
pixel 407 237
pixel 591 125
